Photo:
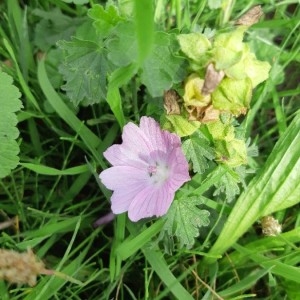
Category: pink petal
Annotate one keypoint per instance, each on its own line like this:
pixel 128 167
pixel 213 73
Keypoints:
pixel 122 198
pixel 118 155
pixel 180 168
pixel 155 135
pixel 123 177
pixel 134 139
pixel 150 202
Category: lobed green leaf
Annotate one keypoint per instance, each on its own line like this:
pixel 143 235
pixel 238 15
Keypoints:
pixel 184 219
pixel 84 69
pixel 10 104
pixel 198 150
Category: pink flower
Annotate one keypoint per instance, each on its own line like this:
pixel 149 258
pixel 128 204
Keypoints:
pixel 147 169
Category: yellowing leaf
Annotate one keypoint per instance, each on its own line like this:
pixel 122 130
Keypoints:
pixel 233 96
pixel 232 153
pixel 228 48
pixel 195 46
pixel 180 125
pixel 220 130
pixel 249 66
pixel 193 92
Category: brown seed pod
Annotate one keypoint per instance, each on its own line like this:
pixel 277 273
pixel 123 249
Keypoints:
pixel 251 17
pixel 171 102
pixel 212 79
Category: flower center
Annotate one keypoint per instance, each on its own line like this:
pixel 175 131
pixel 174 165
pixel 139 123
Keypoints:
pixel 158 173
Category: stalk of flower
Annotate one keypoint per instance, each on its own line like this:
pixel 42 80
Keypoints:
pixel 147 169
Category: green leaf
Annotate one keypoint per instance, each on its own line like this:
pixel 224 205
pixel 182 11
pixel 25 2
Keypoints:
pixel 162 68
pixel 84 69
pixel 133 244
pixel 53 27
pixel 198 150
pixel 276 187
pixel 184 219
pixel 159 265
pixel 122 46
pixel 9 103
pixel 228 184
pixel 277 267
pixel 119 78
pixel 45 170
pixel 104 19
pixel 91 140
pixel 242 285
pixel 233 96
pixel 221 130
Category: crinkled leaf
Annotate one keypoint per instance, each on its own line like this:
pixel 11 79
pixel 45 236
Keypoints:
pixel 180 125
pixel 249 66
pixel 162 68
pixel 221 130
pixel 229 150
pixel 84 69
pixel 53 27
pixel 198 150
pixel 195 46
pixel 228 48
pixel 184 219
pixel 233 96
pixel 228 184
pixel 104 19
pixel 9 103
pixel 225 58
pixel 232 153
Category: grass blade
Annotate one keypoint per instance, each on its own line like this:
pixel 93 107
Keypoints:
pixel 275 188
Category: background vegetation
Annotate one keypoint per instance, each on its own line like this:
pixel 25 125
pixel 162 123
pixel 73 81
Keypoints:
pixel 55 193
